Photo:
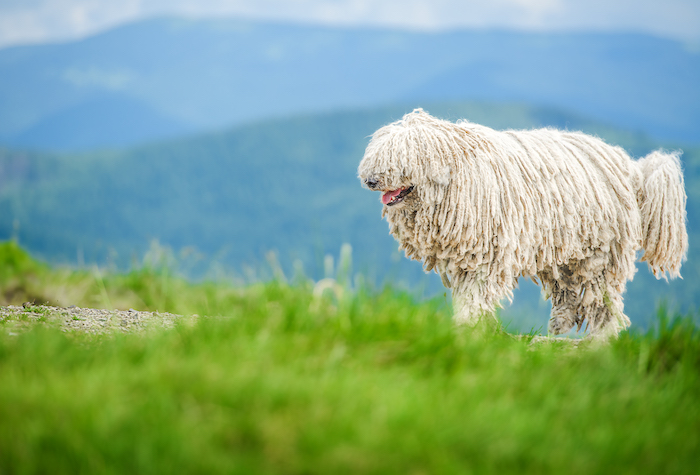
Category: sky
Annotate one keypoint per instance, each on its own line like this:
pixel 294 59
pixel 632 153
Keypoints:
pixel 44 21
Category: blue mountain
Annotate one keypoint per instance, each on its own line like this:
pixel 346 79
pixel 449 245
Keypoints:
pixel 156 78
pixel 107 120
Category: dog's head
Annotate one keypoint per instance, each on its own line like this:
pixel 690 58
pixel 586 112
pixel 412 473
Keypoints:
pixel 433 174
pixel 408 161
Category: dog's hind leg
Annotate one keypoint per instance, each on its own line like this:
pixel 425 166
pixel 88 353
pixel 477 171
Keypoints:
pixel 565 310
pixel 565 293
pixel 602 307
pixel 603 278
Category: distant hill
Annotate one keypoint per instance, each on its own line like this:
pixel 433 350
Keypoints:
pixel 286 184
pixel 107 120
pixel 157 78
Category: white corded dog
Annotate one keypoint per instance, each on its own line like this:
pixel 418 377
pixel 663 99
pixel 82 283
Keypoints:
pixel 484 207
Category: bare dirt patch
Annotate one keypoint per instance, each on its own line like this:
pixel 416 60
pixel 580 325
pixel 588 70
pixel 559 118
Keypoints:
pixel 15 319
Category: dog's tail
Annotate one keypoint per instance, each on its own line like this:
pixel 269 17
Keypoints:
pixel 662 202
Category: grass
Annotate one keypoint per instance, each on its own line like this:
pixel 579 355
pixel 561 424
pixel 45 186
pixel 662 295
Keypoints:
pixel 279 380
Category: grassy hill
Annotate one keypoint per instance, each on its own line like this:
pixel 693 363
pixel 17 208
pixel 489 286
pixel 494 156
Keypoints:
pixel 278 377
pixel 287 185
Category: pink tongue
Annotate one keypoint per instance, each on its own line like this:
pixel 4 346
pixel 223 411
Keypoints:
pixel 389 195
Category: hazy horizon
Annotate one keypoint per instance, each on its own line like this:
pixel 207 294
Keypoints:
pixel 48 21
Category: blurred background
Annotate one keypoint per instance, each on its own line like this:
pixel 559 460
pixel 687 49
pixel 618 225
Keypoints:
pixel 228 129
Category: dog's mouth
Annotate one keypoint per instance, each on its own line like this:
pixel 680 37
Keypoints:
pixel 390 198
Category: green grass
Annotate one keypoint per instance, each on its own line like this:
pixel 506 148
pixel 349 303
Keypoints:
pixel 278 380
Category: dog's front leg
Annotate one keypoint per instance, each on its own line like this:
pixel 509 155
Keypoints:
pixel 442 270
pixel 464 311
pixel 470 307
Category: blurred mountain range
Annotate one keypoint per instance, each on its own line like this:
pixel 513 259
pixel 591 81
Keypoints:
pixel 288 185
pixel 162 78
pixel 238 137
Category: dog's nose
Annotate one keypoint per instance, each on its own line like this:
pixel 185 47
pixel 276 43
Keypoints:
pixel 371 182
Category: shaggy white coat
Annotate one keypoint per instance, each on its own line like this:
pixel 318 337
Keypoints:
pixel 564 208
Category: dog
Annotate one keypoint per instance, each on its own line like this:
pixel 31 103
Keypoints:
pixel 483 207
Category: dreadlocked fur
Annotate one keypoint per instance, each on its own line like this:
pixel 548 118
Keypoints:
pixel 483 207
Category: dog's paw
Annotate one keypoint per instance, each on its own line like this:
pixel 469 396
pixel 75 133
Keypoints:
pixel 559 325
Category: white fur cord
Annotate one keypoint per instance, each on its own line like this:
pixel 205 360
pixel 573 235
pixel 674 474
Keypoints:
pixel 564 208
